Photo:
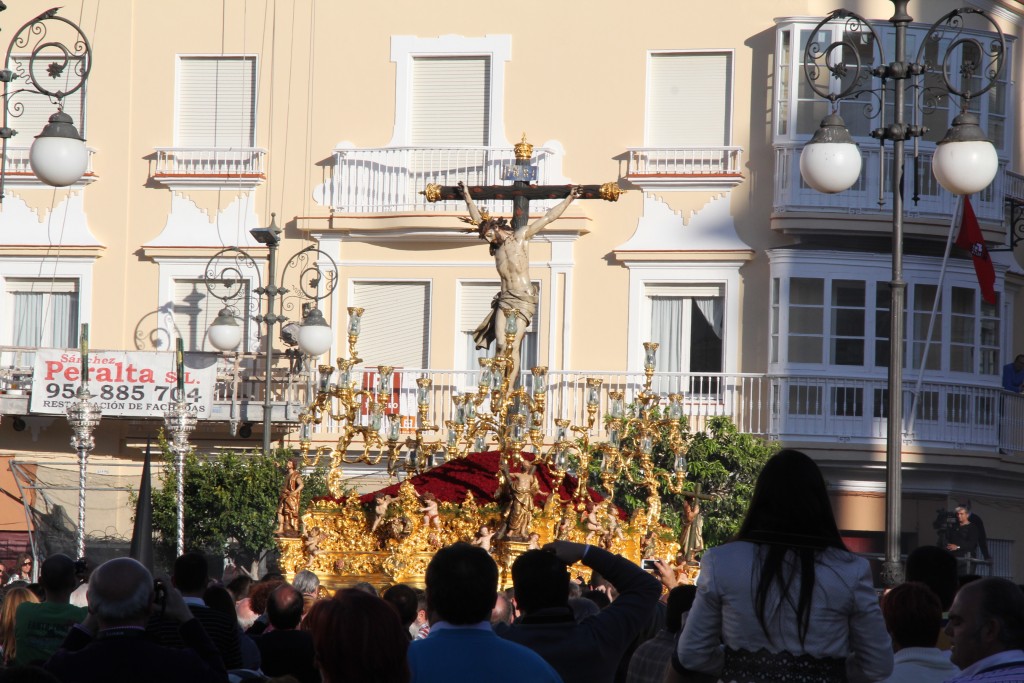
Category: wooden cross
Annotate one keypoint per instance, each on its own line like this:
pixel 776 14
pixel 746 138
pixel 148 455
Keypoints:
pixel 521 191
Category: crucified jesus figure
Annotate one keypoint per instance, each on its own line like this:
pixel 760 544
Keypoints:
pixel 511 251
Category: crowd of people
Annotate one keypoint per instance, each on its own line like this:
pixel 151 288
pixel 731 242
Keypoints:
pixel 784 601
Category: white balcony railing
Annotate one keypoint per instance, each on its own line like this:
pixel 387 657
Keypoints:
pixel 18 170
pixel 391 178
pixel 686 161
pixel 792 194
pixel 791 409
pixel 219 162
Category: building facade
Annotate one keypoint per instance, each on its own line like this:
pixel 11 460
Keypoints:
pixel 770 301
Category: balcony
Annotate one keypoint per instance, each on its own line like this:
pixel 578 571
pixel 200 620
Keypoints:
pixel 205 167
pixel 793 195
pixel 689 168
pixel 390 179
pixel 18 172
pixel 792 409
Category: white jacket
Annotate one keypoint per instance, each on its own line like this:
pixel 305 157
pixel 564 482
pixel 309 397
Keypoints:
pixel 845 620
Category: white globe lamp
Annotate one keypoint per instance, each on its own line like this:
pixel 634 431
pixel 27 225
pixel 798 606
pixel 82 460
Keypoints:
pixel 831 161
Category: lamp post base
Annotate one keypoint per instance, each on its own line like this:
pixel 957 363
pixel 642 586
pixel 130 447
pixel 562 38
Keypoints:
pixel 892 573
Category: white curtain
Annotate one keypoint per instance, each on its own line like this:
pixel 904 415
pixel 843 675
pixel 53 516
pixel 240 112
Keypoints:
pixel 711 309
pixel 667 332
pixel 28 319
pixel 65 320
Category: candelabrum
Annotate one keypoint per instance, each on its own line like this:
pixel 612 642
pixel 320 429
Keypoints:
pixel 495 413
pixel 84 417
pixel 633 434
pixel 179 422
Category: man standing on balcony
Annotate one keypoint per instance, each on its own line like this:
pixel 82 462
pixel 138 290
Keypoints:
pixel 511 251
pixel 1013 374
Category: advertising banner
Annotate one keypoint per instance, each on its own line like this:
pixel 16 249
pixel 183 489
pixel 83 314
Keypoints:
pixel 122 383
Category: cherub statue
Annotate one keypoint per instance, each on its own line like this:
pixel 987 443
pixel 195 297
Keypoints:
pixel 592 522
pixel 311 542
pixel 483 538
pixel 565 524
pixel 534 540
pixel 429 510
pixel 380 510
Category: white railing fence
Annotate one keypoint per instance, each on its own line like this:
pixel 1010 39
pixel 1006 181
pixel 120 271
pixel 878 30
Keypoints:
pixel 792 194
pixel 17 164
pixel 391 178
pixel 210 161
pixel 685 161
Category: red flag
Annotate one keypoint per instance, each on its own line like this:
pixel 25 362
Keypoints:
pixel 970 240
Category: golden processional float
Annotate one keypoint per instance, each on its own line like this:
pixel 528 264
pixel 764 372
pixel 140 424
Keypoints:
pixel 487 478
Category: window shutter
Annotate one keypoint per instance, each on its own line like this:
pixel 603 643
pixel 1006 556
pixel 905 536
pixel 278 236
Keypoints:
pixel 689 100
pixel 684 290
pixel 195 309
pixel 396 323
pixel 41 286
pixel 451 101
pixel 216 102
pixel 37 107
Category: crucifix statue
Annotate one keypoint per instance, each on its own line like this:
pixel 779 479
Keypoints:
pixel 509 242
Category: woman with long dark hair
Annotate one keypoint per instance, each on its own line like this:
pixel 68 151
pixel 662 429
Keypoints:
pixel 785 600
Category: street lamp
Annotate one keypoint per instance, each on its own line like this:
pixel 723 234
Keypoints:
pixel 84 417
pixel 180 421
pixel 58 156
pixel 965 162
pixel 226 279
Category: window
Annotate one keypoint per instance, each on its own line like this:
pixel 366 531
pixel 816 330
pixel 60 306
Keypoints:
pixel 216 102
pixel 806 315
pixel 395 323
pixel 44 312
pixel 450 90
pixel 451 101
pixel 474 307
pixel 799 111
pixel 195 308
pixel 965 333
pixel 689 100
pixel 687 324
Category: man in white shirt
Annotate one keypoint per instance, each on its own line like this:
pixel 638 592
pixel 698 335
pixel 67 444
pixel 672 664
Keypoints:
pixel 986 626
pixel 913 617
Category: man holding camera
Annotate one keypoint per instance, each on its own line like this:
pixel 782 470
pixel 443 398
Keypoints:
pixel 111 644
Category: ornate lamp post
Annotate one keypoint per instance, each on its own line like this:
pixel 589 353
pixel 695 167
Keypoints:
pixel 83 416
pixel 964 162
pixel 317 276
pixel 58 156
pixel 180 421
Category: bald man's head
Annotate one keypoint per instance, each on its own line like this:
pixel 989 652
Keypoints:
pixel 121 593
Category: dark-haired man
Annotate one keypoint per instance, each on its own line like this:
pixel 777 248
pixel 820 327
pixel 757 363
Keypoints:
pixel 913 617
pixel 462 581
pixel 652 658
pixel 588 651
pixel 986 625
pixel 39 628
pixel 191 577
pixel 285 650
